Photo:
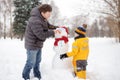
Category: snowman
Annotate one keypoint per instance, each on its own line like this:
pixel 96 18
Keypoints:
pixel 60 47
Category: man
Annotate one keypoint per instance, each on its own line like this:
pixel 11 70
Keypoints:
pixel 37 30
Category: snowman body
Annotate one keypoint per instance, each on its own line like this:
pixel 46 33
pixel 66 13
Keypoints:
pixel 60 47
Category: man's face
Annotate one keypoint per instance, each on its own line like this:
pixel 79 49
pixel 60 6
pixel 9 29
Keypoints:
pixel 46 15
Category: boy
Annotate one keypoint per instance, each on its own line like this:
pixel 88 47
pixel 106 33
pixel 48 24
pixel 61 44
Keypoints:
pixel 80 51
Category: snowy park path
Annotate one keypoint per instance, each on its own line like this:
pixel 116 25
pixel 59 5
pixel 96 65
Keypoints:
pixel 103 62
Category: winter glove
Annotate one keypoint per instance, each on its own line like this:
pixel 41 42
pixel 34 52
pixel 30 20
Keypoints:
pixel 62 56
pixel 52 27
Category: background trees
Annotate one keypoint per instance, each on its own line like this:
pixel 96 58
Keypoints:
pixel 14 15
pixel 113 10
pixel 21 15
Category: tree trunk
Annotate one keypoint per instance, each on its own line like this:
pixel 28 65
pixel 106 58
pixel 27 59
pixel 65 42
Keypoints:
pixel 0 27
pixel 22 36
pixel 119 20
pixel 11 26
pixel 0 22
pixel 4 25
pixel 119 31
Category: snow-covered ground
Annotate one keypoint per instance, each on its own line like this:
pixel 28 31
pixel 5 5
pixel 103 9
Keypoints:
pixel 103 62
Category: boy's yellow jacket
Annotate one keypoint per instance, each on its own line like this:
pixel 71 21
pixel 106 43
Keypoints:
pixel 80 49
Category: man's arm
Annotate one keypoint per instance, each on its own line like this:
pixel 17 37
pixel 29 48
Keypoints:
pixel 50 26
pixel 39 31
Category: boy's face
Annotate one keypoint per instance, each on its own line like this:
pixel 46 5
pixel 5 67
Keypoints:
pixel 76 35
pixel 46 15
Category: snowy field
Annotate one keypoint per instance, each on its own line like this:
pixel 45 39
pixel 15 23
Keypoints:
pixel 103 62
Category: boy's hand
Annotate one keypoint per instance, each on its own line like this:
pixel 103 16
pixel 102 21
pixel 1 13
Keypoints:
pixel 62 56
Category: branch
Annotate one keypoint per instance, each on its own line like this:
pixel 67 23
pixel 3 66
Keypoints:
pixel 116 2
pixel 110 4
pixel 115 16
pixel 113 8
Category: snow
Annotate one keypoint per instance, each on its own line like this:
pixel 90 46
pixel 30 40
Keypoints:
pixel 103 62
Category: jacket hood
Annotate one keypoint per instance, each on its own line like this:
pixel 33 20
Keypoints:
pixel 35 12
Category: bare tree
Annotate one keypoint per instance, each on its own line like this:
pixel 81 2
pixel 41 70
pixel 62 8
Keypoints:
pixel 4 15
pixel 94 30
pixel 10 9
pixel 119 19
pixel 112 27
pixel 0 29
pixel 0 21
pixel 114 11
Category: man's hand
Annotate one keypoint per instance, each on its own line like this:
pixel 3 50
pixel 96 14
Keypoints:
pixel 54 31
pixel 57 31
pixel 62 56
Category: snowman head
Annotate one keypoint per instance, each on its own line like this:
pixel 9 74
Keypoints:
pixel 60 32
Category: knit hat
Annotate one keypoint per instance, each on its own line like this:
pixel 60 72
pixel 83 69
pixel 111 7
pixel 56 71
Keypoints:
pixel 80 30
